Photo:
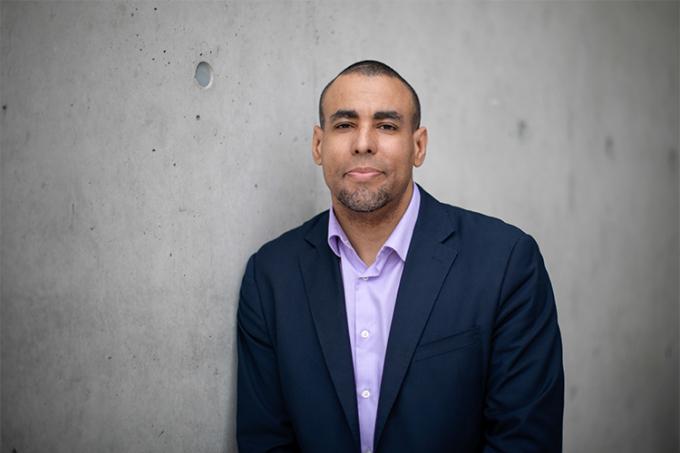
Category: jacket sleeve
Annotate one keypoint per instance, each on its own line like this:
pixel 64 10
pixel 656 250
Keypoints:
pixel 262 423
pixel 525 384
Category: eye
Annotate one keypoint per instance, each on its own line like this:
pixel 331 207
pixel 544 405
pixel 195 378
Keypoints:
pixel 388 127
pixel 343 126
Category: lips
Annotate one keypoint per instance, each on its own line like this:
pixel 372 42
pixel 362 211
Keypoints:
pixel 363 173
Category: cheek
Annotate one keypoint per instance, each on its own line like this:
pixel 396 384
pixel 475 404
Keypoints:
pixel 400 158
pixel 332 169
pixel 331 160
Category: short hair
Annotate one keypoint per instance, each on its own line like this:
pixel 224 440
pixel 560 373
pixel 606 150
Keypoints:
pixel 373 68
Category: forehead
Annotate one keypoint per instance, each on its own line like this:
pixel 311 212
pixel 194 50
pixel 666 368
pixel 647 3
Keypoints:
pixel 367 93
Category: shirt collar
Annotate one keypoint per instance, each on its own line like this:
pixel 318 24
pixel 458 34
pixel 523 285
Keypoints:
pixel 399 239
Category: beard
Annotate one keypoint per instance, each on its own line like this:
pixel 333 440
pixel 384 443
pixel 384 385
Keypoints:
pixel 363 199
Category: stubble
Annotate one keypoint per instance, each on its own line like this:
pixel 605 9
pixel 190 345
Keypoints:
pixel 363 199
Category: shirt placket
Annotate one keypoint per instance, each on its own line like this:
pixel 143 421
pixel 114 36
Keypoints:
pixel 367 337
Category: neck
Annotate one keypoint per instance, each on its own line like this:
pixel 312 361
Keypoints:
pixel 368 231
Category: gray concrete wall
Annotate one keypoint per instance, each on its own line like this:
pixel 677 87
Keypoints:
pixel 131 197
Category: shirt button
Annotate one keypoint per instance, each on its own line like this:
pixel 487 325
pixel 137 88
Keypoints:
pixel 365 394
pixel 365 333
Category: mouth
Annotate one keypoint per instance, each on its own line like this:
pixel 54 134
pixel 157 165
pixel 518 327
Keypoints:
pixel 363 173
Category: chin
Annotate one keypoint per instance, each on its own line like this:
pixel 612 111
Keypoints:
pixel 363 199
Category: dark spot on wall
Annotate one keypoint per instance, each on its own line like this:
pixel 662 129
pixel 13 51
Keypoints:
pixel 161 433
pixel 198 117
pixel 73 216
pixel 109 357
pixel 155 9
pixel 609 147
pixel 522 129
pixel 4 107
pixel 43 185
pixel 153 58
pixel 153 150
pixel 673 158
pixel 164 51
pixel 255 186
pixel 14 450
pixel 203 74
pixel 573 391
pixel 132 14
pixel 170 253
pixel 174 164
pixel 92 228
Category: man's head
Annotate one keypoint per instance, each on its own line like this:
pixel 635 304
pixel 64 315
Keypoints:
pixel 371 68
pixel 369 138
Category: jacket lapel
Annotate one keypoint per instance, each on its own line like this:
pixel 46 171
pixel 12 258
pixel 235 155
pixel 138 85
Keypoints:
pixel 323 283
pixel 428 262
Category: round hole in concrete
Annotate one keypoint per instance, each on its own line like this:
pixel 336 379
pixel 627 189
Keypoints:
pixel 204 74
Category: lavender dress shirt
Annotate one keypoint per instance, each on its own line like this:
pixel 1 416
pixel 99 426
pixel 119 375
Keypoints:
pixel 370 295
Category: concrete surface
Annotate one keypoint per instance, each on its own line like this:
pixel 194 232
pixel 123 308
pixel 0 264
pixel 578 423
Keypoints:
pixel 131 197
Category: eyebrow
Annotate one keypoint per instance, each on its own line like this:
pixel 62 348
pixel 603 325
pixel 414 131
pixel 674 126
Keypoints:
pixel 344 114
pixel 387 115
pixel 352 114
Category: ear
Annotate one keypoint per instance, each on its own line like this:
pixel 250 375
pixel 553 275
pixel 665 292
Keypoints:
pixel 419 146
pixel 317 138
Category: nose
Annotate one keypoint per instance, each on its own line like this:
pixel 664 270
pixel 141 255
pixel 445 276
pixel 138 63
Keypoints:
pixel 365 141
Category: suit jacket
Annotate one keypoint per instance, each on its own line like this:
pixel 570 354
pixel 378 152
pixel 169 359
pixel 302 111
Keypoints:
pixel 474 356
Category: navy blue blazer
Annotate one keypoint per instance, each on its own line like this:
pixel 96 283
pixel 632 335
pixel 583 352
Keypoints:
pixel 474 356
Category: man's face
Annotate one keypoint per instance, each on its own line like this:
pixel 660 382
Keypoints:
pixel 368 146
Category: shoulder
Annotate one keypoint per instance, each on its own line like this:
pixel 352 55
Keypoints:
pixel 471 227
pixel 486 240
pixel 468 219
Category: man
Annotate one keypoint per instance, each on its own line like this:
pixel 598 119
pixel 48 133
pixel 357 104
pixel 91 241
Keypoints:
pixel 392 322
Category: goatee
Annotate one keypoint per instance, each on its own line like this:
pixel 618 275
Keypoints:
pixel 364 200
